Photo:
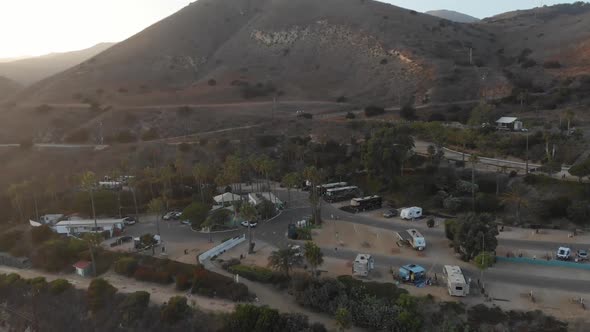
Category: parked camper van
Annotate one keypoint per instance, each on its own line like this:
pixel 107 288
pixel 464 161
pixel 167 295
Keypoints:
pixel 411 213
pixel 456 284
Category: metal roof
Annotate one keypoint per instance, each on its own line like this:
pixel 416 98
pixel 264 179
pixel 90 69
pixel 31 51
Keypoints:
pixel 454 274
pixel 506 120
pixel 89 222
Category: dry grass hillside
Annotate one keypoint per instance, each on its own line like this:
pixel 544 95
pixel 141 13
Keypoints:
pixel 30 70
pixel 8 87
pixel 231 50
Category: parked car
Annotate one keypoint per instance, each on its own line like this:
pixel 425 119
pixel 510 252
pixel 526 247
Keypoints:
pixel 296 249
pixel 186 222
pixel 249 224
pixel 172 215
pixel 581 255
pixel 129 221
pixel 564 253
pixel 126 238
pixel 390 213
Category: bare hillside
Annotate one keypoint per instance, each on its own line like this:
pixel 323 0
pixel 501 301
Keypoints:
pixel 231 50
pixel 453 16
pixel 8 87
pixel 31 70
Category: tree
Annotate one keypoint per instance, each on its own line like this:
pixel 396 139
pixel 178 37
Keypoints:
pixel 579 212
pixel 480 114
pixel 408 318
pixel 569 116
pixel 516 196
pixel 197 213
pixel 133 307
pixel 408 112
pixel 174 310
pixel 202 173
pixel 384 153
pixel 474 233
pixel 292 180
pixel 581 169
pixel 248 212
pixel 484 260
pixel 314 256
pixel 283 260
pixel 88 184
pixel 156 206
pixel 17 193
pixel 473 159
pixel 343 319
pixel 93 241
pixel 99 293
pixel 312 175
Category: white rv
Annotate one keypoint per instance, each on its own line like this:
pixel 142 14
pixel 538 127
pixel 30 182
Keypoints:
pixel 414 238
pixel 456 284
pixel 363 264
pixel 410 213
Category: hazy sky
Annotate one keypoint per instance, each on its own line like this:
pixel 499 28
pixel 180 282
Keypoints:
pixel 36 27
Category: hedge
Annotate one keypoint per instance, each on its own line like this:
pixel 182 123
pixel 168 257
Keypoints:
pixel 213 284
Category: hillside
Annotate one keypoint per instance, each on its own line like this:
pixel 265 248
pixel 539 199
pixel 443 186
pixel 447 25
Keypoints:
pixel 8 87
pixel 30 70
pixel 231 50
pixel 453 16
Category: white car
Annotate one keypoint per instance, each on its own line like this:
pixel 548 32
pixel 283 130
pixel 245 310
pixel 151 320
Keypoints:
pixel 249 224
pixel 129 221
pixel 186 222
pixel 296 249
pixel 564 253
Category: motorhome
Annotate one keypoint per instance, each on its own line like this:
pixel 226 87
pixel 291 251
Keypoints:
pixel 411 213
pixel 324 187
pixel 413 238
pixel 363 264
pixel 456 284
pixel 341 194
pixel 366 203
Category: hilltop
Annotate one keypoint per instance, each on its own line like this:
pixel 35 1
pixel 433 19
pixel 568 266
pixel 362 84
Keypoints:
pixel 30 70
pixel 453 16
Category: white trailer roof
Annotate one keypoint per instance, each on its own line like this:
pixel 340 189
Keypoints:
pixel 89 222
pixel 454 274
pixel 341 189
pixel 414 233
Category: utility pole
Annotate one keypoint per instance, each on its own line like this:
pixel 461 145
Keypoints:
pixel 274 103
pixel 100 136
pixel 527 154
pixel 471 56
pixel 483 246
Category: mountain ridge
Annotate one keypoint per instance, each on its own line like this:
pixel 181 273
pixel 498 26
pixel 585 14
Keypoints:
pixel 452 15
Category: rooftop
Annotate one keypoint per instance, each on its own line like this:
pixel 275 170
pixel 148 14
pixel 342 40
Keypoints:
pixel 506 120
pixel 83 265
pixel 454 274
pixel 84 222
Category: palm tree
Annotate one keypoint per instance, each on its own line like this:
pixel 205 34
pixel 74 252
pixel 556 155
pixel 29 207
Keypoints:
pixel 201 174
pixel 93 240
pixel 517 196
pixel 313 175
pixel 115 175
pixel 248 212
pixel 88 184
pixel 314 256
pixel 283 260
pixel 569 115
pixel 291 180
pixel 157 206
pixel 473 159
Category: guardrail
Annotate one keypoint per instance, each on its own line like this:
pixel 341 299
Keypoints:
pixel 552 262
pixel 220 249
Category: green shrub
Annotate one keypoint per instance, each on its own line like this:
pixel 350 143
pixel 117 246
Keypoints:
pixel 126 266
pixel 183 282
pixel 99 293
pixel 79 136
pixel 59 286
pixel 212 284
pixel 9 239
pixel 174 310
pixel 41 234
pixel 133 307
pixel 373 110
pixel 150 135
pixel 254 273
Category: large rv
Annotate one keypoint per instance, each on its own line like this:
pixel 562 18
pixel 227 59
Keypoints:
pixel 456 284
pixel 341 194
pixel 366 203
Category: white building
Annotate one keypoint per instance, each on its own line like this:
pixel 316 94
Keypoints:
pixel 509 123
pixel 257 198
pixel 79 226
pixel 227 199
pixel 456 284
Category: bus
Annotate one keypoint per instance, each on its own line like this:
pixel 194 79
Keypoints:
pixel 341 194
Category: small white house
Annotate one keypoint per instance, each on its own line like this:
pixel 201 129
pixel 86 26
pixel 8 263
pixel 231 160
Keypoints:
pixel 509 123
pixel 363 265
pixel 456 284
pixel 83 268
pixel 410 213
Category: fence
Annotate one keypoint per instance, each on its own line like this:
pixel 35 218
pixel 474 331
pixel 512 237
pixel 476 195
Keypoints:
pixel 552 262
pixel 220 249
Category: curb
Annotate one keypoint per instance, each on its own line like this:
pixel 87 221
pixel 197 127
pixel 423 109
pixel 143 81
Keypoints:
pixel 216 232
